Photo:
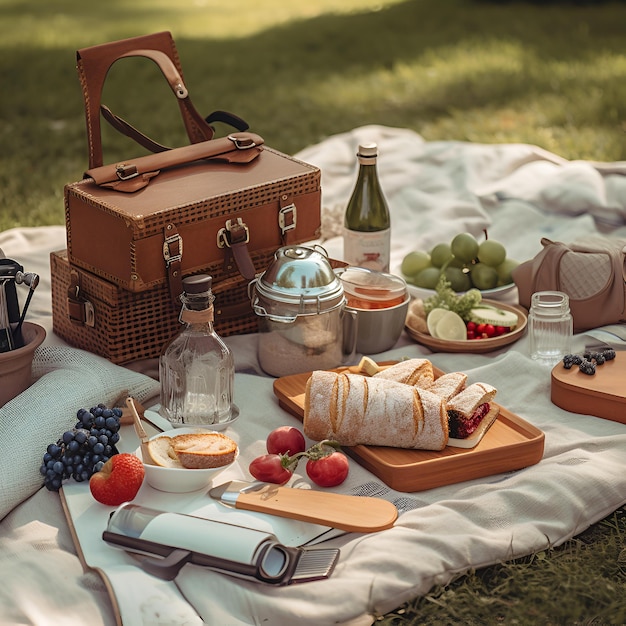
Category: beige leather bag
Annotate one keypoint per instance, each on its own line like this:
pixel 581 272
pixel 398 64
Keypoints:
pixel 591 272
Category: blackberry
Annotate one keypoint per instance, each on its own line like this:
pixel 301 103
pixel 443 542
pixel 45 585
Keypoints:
pixel 587 367
pixel 599 358
pixel 569 360
pixel 589 360
pixel 609 354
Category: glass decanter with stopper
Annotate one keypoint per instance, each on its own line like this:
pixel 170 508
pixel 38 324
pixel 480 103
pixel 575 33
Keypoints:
pixel 196 368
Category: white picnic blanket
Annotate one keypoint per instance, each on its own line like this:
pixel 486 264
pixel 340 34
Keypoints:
pixel 435 189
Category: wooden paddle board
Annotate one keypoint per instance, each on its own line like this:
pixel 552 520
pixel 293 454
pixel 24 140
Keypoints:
pixel 602 394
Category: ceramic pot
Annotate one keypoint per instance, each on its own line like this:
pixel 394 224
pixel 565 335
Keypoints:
pixel 16 365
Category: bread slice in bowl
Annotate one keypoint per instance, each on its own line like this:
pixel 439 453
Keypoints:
pixel 193 450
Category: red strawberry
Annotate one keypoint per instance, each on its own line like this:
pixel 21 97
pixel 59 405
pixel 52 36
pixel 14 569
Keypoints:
pixel 118 481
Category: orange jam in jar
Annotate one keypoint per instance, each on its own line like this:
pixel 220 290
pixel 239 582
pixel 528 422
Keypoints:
pixel 368 289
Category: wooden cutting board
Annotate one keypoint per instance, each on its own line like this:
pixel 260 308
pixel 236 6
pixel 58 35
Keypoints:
pixel 603 394
pixel 510 444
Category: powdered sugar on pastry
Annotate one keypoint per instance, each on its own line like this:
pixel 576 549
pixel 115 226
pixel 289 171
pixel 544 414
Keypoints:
pixel 448 385
pixel 321 396
pixel 418 372
pixel 374 411
pixel 466 402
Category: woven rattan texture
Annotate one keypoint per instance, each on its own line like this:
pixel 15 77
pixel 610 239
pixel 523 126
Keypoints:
pixel 133 326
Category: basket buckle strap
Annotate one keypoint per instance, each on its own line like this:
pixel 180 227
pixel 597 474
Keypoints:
pixel 233 238
pixel 287 218
pixel 173 255
pixel 79 309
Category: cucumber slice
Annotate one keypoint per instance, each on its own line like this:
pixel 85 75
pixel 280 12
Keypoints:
pixel 433 319
pixel 494 316
pixel 451 327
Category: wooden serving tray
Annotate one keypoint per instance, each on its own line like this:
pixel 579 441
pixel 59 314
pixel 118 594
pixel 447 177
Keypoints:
pixel 510 444
pixel 601 395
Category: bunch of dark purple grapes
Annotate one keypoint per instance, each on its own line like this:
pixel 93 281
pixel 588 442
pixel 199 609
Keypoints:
pixel 82 451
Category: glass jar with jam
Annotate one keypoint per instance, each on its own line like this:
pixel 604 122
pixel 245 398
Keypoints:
pixel 368 289
pixel 381 302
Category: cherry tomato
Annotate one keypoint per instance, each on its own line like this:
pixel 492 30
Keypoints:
pixel 490 330
pixel 328 471
pixel 285 440
pixel 270 468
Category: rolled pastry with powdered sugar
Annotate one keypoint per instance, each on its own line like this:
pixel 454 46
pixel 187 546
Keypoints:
pixel 417 372
pixel 354 409
pixel 448 385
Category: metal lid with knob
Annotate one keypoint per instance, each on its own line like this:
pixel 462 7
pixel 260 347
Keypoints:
pixel 299 281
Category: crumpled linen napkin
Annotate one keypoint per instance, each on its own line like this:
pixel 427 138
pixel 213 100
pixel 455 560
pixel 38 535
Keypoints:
pixel 67 379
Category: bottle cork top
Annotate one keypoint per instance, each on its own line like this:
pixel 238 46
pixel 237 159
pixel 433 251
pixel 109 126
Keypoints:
pixel 198 283
pixel 368 150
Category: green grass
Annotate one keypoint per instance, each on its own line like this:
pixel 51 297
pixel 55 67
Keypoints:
pixel 547 73
pixel 580 582
pixel 550 75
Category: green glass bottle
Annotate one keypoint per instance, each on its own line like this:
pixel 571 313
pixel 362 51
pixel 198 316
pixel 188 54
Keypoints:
pixel 367 232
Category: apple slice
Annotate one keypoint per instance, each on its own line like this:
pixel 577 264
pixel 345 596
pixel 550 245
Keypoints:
pixel 451 327
pixel 433 319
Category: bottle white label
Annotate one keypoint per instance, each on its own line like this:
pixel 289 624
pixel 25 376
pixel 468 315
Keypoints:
pixel 370 250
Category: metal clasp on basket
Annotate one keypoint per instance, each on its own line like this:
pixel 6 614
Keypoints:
pixel 176 242
pixel 242 143
pixel 287 218
pixel 126 171
pixel 80 310
pixel 235 232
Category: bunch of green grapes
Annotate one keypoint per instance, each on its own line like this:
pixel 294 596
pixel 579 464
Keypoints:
pixel 465 263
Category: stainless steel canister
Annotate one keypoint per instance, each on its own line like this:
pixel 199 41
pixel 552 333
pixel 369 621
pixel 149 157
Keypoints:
pixel 303 321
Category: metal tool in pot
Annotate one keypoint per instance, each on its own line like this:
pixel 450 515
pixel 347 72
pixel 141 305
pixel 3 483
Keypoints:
pixel 304 324
pixel 11 320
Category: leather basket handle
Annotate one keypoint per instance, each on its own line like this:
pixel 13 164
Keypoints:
pixel 135 174
pixel 93 65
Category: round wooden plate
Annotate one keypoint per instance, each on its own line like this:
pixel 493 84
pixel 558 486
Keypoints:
pixel 475 346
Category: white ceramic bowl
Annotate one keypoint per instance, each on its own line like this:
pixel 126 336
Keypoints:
pixel 180 480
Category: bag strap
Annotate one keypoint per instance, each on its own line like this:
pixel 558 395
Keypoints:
pixel 135 174
pixel 123 127
pixel 93 65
